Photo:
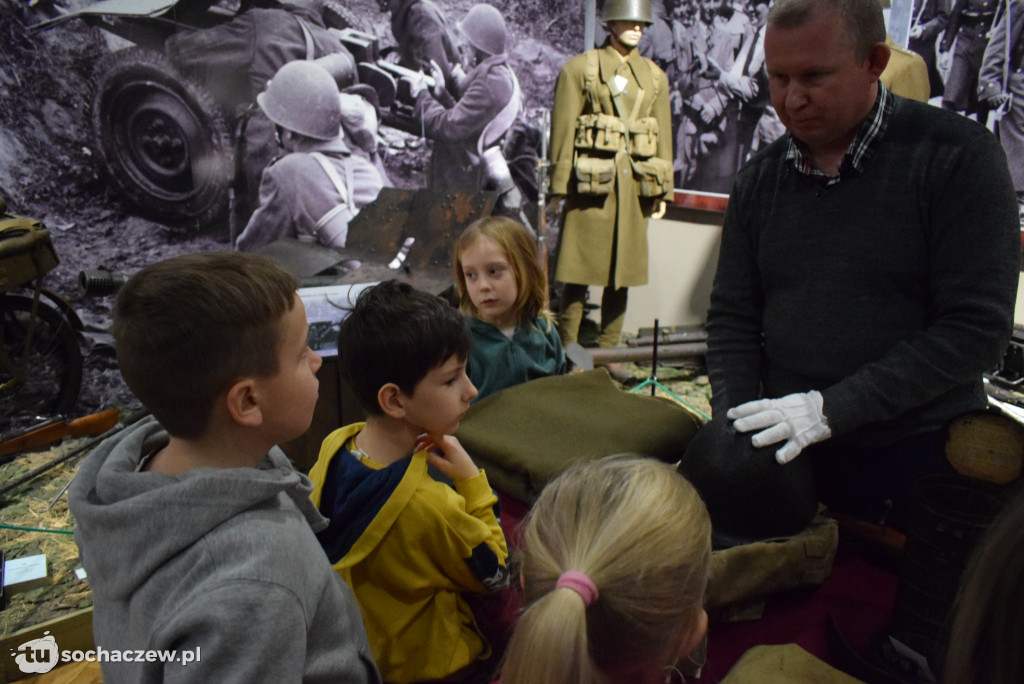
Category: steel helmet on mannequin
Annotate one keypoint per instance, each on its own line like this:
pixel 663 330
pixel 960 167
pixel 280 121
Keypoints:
pixel 303 97
pixel 626 10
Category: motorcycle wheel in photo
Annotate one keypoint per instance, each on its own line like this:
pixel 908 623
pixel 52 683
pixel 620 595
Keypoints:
pixel 40 358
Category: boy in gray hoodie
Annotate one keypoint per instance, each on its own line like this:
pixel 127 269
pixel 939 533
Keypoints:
pixel 196 532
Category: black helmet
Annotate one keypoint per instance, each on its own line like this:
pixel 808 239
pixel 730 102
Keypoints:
pixel 749 495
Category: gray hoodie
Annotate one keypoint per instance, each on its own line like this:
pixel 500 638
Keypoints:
pixel 219 562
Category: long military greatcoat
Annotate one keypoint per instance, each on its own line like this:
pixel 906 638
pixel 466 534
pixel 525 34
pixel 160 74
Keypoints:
pixel 603 239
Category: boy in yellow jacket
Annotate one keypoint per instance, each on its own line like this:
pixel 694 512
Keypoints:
pixel 406 541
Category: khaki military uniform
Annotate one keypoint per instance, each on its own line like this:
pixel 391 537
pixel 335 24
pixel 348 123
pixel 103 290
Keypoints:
pixel 603 239
pixel 906 74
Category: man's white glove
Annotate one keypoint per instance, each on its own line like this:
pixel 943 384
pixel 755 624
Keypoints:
pixel 796 418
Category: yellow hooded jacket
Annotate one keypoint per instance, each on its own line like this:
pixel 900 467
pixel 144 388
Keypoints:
pixel 408 545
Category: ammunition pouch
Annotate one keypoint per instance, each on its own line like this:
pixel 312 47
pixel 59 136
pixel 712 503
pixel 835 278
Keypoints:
pixel 653 176
pixel 600 133
pixel 643 138
pixel 594 175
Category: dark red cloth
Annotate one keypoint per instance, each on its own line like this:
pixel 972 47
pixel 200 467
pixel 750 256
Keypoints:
pixel 859 594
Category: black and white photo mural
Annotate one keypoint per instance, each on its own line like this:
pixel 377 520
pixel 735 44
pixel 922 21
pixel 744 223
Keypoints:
pixel 158 98
pixel 140 129
pixel 712 51
pixel 176 127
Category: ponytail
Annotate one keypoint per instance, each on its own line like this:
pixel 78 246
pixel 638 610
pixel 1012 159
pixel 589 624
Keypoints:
pixel 550 645
pixel 639 533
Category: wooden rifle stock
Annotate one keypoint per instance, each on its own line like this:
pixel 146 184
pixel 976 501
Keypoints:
pixel 870 532
pixel 91 425
pixel 90 444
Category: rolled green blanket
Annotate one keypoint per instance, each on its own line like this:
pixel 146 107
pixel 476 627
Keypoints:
pixel 527 434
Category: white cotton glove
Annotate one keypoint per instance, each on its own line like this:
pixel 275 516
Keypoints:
pixel 796 418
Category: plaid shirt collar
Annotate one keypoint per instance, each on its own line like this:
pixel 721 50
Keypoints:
pixel 871 131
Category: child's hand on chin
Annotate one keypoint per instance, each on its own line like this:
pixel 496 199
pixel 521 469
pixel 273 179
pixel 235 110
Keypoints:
pixel 447 455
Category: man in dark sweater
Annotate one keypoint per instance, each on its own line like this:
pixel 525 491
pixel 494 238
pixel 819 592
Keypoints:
pixel 868 267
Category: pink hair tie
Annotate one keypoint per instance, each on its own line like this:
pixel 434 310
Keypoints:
pixel 581 584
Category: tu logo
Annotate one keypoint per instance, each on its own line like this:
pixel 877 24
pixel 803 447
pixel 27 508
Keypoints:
pixel 37 656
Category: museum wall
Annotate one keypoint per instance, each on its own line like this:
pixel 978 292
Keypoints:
pixel 683 257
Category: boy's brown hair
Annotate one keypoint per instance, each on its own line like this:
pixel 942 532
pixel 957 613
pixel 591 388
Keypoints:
pixel 188 327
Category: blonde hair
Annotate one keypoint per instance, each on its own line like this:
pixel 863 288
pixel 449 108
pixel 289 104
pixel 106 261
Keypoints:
pixel 516 242
pixel 639 530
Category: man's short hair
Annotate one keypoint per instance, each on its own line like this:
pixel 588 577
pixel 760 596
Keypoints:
pixel 188 327
pixel 864 24
pixel 396 334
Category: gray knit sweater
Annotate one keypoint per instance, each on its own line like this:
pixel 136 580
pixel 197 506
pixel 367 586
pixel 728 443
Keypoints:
pixel 890 292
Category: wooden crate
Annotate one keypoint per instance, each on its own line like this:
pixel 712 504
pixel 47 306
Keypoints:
pixel 72 632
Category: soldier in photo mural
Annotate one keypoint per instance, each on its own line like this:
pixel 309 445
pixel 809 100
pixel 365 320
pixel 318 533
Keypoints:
pixel 611 159
pixel 314 190
pixel 929 20
pixel 1001 87
pixel 422 36
pixel 234 61
pixel 468 132
pixel 966 37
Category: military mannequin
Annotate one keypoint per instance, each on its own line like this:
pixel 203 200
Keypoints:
pixel 314 190
pixel 611 159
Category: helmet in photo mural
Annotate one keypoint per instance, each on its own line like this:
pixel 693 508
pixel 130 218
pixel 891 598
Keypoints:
pixel 484 28
pixel 303 97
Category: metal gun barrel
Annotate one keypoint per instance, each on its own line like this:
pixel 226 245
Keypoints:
pixel 100 283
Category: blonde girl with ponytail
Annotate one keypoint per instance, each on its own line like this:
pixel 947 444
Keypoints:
pixel 615 562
